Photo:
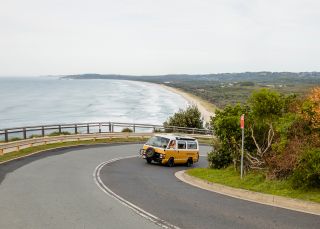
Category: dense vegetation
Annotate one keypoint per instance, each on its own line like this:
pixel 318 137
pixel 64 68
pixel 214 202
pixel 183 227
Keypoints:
pixel 226 88
pixel 282 137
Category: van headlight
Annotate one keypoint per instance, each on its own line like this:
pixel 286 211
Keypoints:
pixel 142 152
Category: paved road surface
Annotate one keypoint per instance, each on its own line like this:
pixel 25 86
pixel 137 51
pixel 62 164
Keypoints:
pixel 155 189
pixel 57 190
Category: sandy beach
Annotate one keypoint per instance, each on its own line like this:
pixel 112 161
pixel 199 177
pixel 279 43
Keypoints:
pixel 207 109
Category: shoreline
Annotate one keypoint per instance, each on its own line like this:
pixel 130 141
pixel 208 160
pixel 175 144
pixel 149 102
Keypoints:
pixel 207 109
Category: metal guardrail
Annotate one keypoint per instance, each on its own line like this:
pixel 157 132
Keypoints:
pixel 26 132
pixel 85 131
pixel 22 144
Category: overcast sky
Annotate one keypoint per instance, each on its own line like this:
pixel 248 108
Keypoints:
pixel 49 37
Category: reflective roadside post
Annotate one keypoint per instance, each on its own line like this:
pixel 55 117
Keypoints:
pixel 242 146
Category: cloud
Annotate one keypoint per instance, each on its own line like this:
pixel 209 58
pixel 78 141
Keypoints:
pixel 157 37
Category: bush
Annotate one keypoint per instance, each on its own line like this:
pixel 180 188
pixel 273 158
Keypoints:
pixel 56 133
pixel 35 136
pixel 266 105
pixel 191 117
pixel 127 130
pixel 307 173
pixel 219 159
pixel 246 84
pixel 15 139
pixel 158 130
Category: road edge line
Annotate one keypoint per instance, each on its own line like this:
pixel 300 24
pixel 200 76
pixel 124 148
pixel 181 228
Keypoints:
pixel 154 219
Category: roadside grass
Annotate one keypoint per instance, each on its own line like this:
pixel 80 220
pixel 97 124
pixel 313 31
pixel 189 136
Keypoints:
pixel 254 181
pixel 34 149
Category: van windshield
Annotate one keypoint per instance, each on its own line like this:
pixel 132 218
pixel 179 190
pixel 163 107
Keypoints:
pixel 157 141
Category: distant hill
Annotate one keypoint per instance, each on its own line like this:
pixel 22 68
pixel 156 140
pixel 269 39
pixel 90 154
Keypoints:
pixel 257 77
pixel 225 88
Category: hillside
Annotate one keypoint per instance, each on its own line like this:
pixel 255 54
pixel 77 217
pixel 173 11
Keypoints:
pixel 224 88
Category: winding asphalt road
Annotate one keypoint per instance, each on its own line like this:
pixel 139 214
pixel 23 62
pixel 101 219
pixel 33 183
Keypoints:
pixel 56 189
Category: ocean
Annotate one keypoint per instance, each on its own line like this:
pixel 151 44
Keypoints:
pixel 29 101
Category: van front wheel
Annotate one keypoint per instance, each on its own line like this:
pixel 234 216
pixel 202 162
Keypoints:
pixel 189 162
pixel 170 162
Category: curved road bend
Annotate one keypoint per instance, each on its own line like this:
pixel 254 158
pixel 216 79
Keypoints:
pixel 155 189
pixel 56 190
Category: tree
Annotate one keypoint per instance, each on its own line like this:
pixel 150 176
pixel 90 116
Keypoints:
pixel 266 107
pixel 226 127
pixel 311 108
pixel 191 117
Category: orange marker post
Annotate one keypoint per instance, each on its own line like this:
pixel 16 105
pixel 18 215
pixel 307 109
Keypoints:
pixel 242 128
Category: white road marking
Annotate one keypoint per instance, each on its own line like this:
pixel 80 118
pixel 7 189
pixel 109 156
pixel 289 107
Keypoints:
pixel 96 175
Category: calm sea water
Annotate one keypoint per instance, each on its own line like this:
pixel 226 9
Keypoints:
pixel 39 101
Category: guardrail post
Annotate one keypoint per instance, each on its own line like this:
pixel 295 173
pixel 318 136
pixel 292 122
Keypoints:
pixel 75 129
pixel 24 133
pixel 99 127
pixel 109 127
pixel 59 129
pixel 6 135
pixel 88 129
pixel 134 128
pixel 42 131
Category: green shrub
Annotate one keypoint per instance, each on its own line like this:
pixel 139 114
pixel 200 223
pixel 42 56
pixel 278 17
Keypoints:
pixel 307 173
pixel 219 159
pixel 158 130
pixel 15 139
pixel 35 136
pixel 191 117
pixel 247 84
pixel 266 105
pixel 127 129
pixel 56 133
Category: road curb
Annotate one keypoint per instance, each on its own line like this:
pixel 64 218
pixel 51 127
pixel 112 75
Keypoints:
pixel 266 199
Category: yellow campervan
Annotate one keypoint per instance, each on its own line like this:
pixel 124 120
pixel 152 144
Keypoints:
pixel 170 150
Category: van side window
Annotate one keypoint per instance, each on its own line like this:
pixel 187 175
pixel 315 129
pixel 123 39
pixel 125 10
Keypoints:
pixel 172 144
pixel 181 145
pixel 192 145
